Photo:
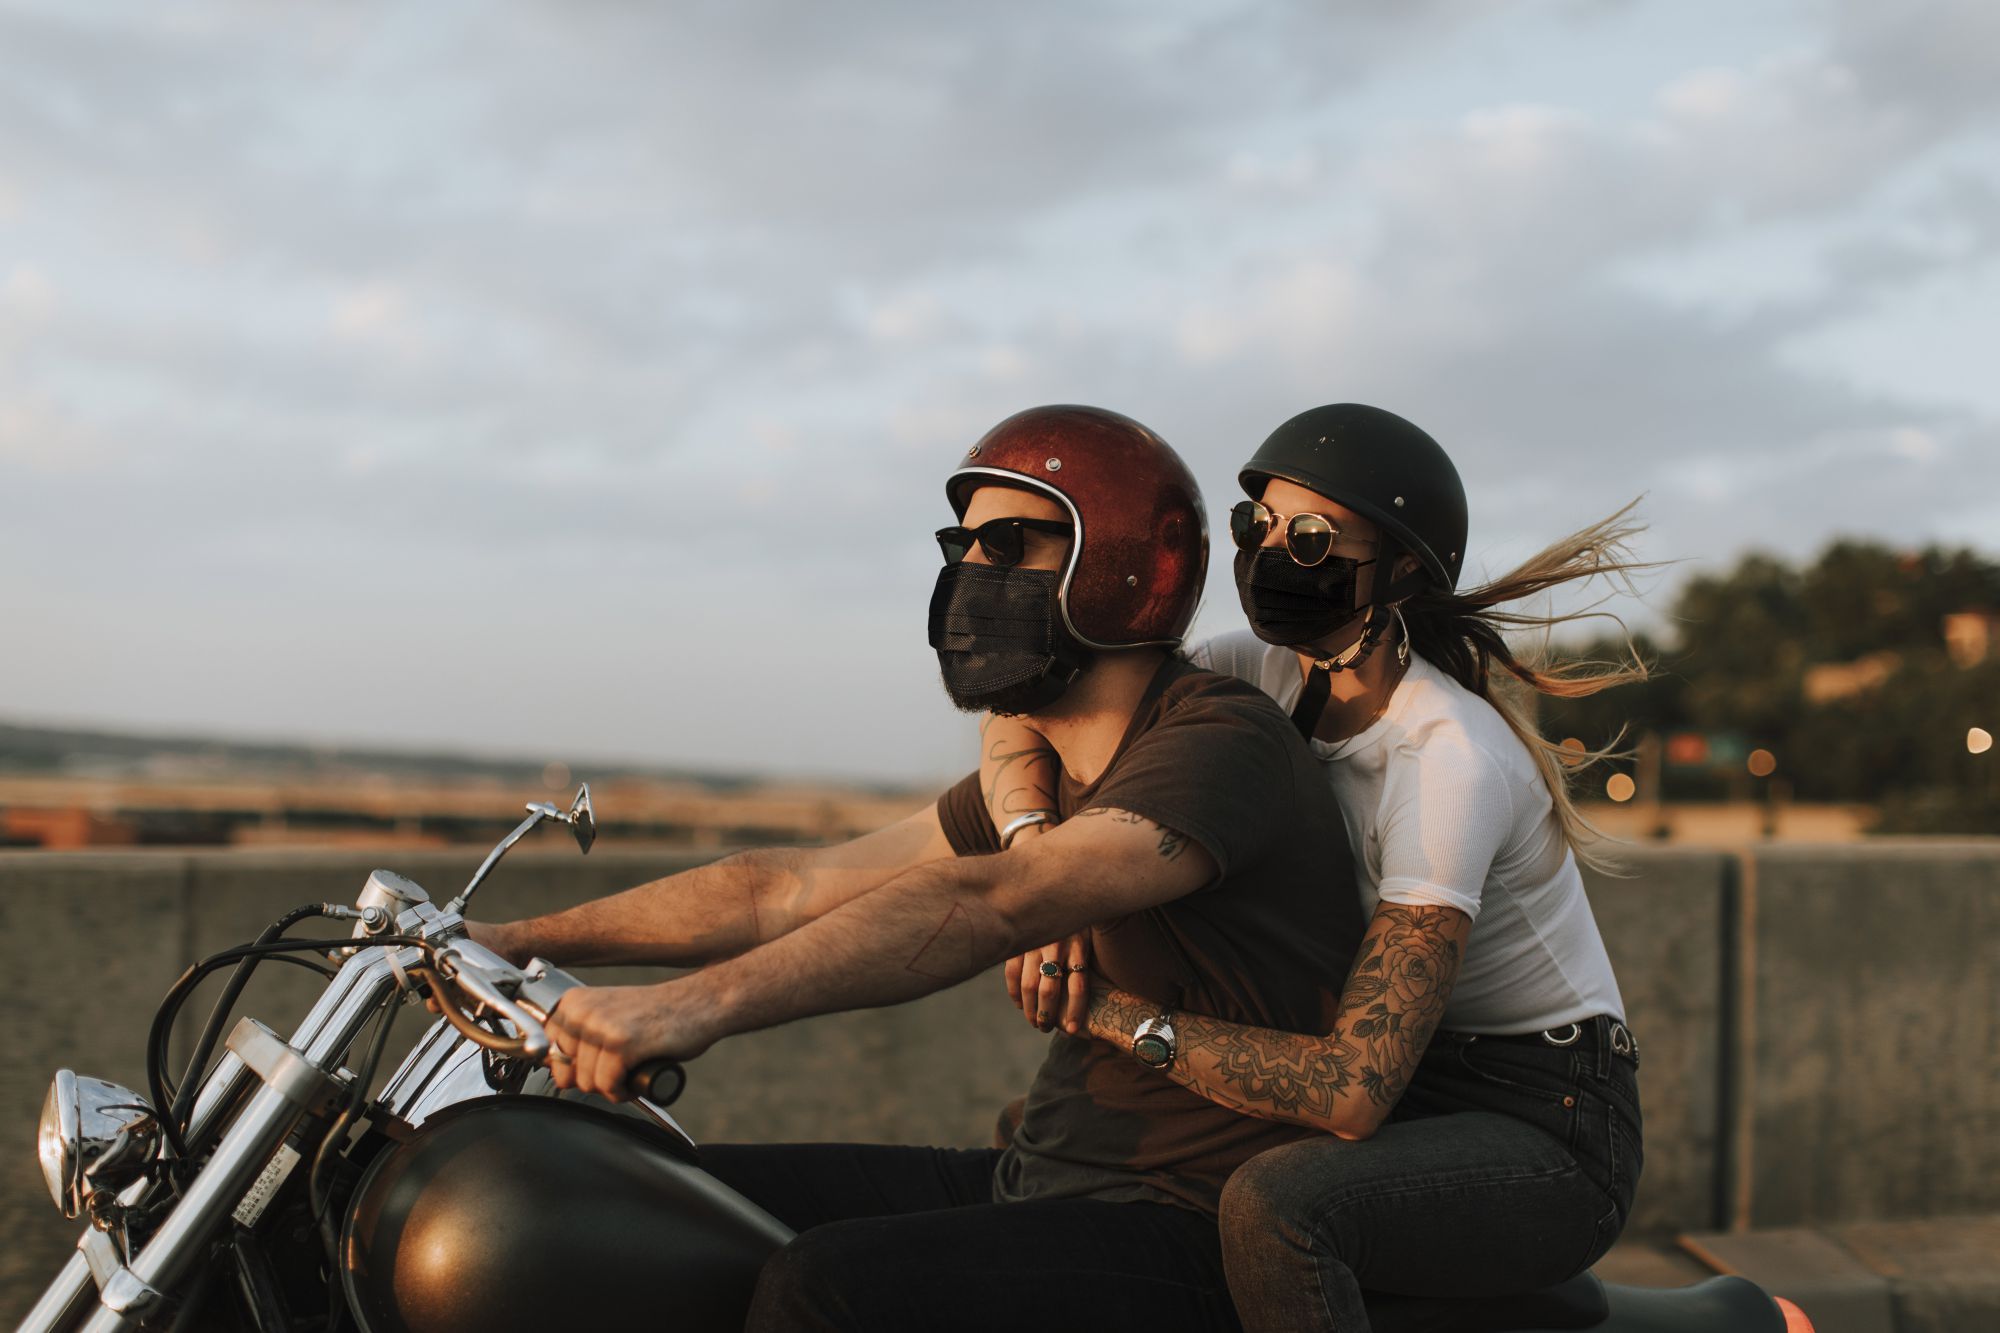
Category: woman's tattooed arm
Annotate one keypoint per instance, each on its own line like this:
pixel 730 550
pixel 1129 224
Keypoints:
pixel 1347 1081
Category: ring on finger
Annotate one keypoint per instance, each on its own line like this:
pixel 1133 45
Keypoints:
pixel 1078 967
pixel 1051 970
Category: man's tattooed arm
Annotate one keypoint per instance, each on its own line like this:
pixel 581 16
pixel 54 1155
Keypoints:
pixel 1171 844
pixel 1018 769
pixel 1347 1081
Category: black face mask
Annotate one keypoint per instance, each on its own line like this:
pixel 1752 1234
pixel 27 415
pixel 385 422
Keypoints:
pixel 1288 603
pixel 1001 643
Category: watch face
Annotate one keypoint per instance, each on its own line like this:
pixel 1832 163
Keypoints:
pixel 1152 1050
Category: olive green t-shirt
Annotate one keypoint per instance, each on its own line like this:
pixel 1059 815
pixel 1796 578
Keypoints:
pixel 1268 942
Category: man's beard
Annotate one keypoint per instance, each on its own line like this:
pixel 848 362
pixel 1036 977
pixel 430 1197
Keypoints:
pixel 1001 644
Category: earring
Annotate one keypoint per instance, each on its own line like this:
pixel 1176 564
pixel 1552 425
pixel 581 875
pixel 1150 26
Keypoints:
pixel 1402 638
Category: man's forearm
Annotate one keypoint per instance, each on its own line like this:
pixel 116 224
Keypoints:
pixel 929 928
pixel 710 912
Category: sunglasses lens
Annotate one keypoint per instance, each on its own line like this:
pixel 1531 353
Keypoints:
pixel 1248 522
pixel 1002 541
pixel 1309 538
pixel 954 542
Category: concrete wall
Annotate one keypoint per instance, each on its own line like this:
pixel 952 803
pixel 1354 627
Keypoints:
pixel 1873 1027
pixel 1665 925
pixel 1820 1029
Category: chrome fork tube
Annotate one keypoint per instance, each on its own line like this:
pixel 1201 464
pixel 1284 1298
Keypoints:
pixel 246 1147
pixel 63 1301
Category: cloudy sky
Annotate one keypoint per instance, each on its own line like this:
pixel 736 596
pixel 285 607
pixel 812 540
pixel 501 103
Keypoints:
pixel 579 379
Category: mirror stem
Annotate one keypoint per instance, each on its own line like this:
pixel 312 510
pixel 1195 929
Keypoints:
pixel 535 816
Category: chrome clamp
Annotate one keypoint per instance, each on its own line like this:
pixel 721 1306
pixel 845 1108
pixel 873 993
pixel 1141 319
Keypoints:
pixel 128 1295
pixel 266 1055
pixel 102 1254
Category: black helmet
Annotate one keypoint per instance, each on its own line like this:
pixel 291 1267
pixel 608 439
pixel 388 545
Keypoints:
pixel 1378 465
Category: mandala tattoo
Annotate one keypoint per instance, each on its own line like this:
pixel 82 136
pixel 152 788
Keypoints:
pixel 1281 1072
pixel 1393 1002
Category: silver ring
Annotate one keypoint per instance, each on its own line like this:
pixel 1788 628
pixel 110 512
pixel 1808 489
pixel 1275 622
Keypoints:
pixel 1078 967
pixel 1052 970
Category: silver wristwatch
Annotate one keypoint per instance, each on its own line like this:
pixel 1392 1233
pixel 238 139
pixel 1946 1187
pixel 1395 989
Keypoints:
pixel 1153 1041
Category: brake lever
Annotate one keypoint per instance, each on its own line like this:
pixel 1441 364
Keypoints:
pixel 475 983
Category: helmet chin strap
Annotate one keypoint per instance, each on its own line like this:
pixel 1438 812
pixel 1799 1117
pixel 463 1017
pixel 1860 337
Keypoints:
pixel 1321 679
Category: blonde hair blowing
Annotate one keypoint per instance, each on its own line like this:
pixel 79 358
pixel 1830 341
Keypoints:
pixel 1463 634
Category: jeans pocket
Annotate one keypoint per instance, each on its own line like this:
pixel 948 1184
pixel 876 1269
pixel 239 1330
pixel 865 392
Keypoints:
pixel 1538 1085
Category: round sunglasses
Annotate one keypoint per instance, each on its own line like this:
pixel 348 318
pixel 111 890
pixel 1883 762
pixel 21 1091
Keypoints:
pixel 1309 538
pixel 1004 540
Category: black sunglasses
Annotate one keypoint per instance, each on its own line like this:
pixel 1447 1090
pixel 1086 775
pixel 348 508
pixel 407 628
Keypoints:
pixel 1002 539
pixel 1308 537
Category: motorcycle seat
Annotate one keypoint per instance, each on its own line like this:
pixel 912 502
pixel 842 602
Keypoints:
pixel 1721 1305
pixel 1577 1303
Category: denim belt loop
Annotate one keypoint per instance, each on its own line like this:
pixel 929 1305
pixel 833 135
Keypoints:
pixel 1603 1044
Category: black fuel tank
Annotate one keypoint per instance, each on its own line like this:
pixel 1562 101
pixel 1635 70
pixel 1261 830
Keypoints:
pixel 541 1214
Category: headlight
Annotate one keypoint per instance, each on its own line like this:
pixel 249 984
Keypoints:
pixel 56 1140
pixel 93 1135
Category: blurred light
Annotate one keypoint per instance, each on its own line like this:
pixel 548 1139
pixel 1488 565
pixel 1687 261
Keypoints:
pixel 1762 763
pixel 1687 748
pixel 556 776
pixel 1573 751
pixel 1620 787
pixel 1979 740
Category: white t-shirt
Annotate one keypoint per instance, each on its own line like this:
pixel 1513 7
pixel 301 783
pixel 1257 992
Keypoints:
pixel 1445 807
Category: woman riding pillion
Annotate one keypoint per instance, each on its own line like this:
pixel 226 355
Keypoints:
pixel 1478 1087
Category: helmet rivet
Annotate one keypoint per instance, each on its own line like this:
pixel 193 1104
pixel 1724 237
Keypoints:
pixel 973 452
pixel 1131 580
pixel 1399 502
pixel 1053 465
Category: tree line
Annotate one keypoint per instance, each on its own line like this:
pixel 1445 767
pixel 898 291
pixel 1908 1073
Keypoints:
pixel 1842 670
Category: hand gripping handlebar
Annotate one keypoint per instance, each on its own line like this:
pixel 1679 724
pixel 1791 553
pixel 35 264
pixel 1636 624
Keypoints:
pixel 486 978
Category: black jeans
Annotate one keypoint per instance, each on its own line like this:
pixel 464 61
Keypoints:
pixel 1507 1167
pixel 894 1238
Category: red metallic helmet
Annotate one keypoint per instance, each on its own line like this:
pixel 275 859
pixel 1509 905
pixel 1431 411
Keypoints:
pixel 1135 570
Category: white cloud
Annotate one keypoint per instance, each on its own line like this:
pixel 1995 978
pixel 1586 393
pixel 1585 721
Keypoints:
pixel 1919 446
pixel 27 295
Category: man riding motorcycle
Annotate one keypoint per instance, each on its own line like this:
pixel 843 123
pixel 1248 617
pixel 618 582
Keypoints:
pixel 1192 839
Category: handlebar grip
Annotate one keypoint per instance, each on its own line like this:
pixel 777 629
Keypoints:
pixel 659 1081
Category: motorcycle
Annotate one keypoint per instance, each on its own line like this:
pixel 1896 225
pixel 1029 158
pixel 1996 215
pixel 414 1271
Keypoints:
pixel 271 1193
